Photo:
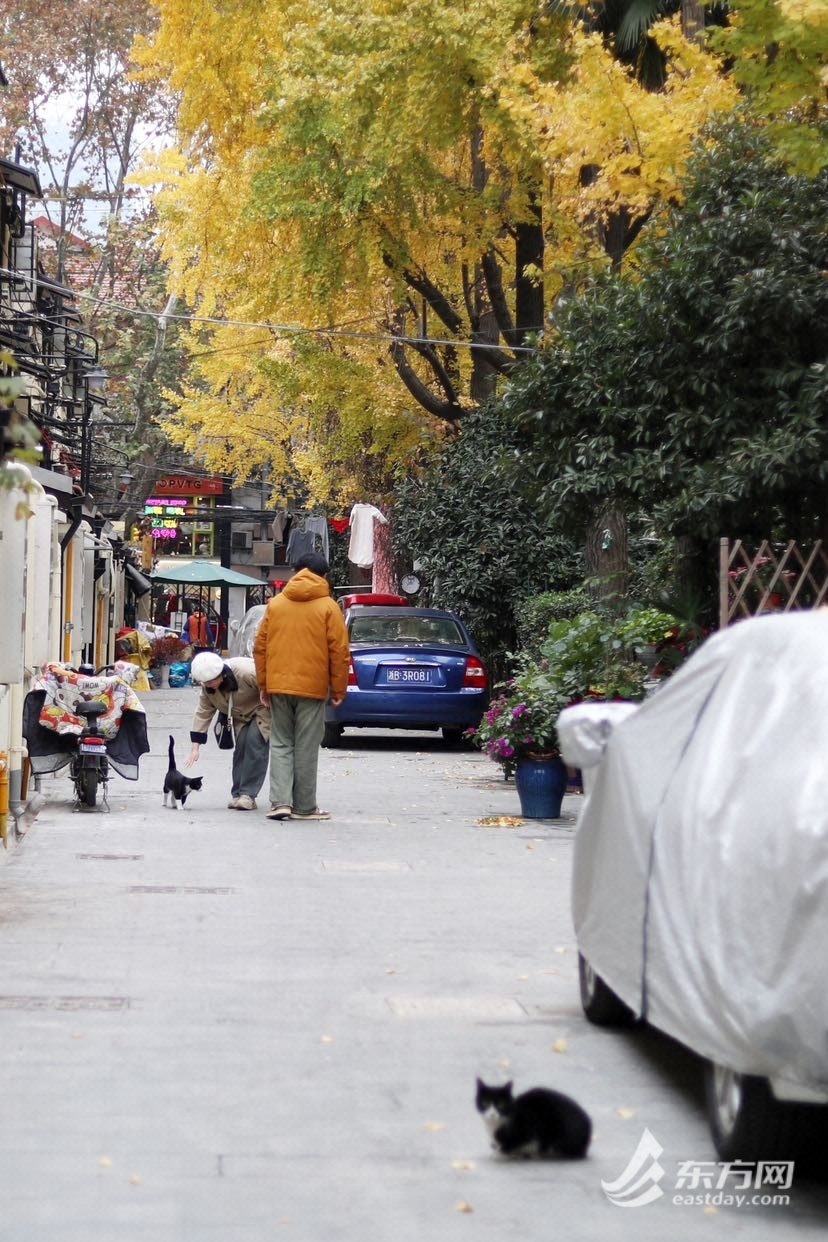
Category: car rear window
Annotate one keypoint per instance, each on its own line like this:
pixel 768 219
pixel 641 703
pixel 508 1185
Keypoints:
pixel 407 631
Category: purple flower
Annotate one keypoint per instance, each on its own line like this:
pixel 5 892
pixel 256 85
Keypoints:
pixel 519 711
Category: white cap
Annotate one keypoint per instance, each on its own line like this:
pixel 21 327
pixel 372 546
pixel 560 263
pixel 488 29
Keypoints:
pixel 206 666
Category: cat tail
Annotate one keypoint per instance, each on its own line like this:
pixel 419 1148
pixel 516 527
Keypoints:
pixel 171 753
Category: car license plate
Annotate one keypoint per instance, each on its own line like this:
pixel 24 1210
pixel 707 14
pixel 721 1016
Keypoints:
pixel 409 676
pixel 89 748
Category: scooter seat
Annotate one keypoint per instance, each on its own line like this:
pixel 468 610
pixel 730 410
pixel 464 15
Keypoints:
pixel 95 708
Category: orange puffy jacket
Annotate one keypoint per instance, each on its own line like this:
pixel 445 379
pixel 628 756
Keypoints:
pixel 199 630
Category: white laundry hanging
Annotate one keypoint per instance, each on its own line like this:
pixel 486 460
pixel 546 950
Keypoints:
pixel 361 547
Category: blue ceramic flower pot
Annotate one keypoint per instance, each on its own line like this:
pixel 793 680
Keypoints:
pixel 541 784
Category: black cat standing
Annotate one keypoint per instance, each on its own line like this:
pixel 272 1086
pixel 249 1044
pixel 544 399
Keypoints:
pixel 539 1122
pixel 176 784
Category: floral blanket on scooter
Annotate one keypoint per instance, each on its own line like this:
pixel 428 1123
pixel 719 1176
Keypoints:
pixel 64 688
pixel 51 727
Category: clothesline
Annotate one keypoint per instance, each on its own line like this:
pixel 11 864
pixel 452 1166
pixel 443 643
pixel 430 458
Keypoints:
pixel 305 533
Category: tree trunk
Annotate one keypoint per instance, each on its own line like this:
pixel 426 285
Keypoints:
pixel 606 555
pixel 484 375
pixel 692 20
pixel 529 287
pixel 695 572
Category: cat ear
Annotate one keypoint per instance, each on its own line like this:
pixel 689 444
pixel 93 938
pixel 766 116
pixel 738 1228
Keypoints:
pixel 507 1086
pixel 480 1084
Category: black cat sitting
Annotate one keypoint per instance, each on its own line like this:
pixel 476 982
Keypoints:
pixel 176 784
pixel 539 1122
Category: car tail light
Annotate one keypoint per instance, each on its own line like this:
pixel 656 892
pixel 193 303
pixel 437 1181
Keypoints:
pixel 91 740
pixel 475 676
pixel 352 677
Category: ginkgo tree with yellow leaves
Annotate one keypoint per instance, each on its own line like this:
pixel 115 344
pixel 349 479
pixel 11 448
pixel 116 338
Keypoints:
pixel 372 207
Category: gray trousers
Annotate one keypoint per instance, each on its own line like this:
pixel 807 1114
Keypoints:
pixel 250 756
pixel 296 729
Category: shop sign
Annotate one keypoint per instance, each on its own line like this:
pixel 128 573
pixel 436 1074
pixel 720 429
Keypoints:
pixel 188 485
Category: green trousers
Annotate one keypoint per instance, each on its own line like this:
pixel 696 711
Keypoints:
pixel 296 729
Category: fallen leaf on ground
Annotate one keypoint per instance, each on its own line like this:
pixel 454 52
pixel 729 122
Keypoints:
pixel 463 1166
pixel 327 1039
pixel 462 1206
pixel 134 1179
pixel 560 1045
pixel 434 1126
pixel 500 821
pixel 505 1063
pixel 625 1113
pixel 105 1162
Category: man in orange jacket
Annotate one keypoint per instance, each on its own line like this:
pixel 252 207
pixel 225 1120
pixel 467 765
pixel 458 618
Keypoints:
pixel 198 631
pixel 301 654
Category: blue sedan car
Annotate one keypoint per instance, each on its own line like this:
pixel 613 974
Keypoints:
pixel 411 668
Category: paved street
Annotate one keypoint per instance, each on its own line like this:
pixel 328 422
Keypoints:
pixel 221 1029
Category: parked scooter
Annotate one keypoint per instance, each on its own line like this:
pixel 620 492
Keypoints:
pixel 92 721
pixel 89 766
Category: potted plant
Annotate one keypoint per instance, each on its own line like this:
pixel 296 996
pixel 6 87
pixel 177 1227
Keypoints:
pixel 166 649
pixel 591 656
pixel 519 731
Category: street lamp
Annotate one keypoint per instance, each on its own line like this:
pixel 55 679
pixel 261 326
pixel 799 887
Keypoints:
pixel 94 381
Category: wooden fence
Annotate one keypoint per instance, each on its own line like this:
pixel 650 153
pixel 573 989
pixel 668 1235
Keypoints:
pixel 775 578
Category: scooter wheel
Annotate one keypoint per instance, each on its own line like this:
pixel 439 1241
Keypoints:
pixel 89 781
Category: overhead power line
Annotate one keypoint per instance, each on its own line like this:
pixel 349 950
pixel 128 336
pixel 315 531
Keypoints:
pixel 288 329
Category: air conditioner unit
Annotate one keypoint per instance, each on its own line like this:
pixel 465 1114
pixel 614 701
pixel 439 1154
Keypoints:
pixel 262 552
pixel 241 540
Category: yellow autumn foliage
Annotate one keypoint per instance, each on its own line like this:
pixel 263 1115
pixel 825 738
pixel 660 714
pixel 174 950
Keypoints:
pixel 328 149
pixel 779 55
pixel 636 141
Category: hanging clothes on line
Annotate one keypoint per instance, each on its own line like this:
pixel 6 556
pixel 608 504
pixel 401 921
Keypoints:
pixel 300 543
pixel 317 524
pixel 281 525
pixel 361 548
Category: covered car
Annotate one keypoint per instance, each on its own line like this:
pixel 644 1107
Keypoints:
pixel 243 634
pixel 411 668
pixel 700 883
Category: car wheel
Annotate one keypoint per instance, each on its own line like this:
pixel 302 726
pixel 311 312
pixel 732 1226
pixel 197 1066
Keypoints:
pixel 332 735
pixel 598 1001
pixel 454 737
pixel 746 1120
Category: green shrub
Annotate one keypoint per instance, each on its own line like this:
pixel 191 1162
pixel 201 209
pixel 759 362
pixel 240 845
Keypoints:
pixel 600 657
pixel 534 616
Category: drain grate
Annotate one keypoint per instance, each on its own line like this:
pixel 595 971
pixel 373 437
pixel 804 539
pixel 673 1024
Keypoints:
pixel 345 866
pixel 178 888
pixel 466 1008
pixel 102 1003
pixel 110 857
